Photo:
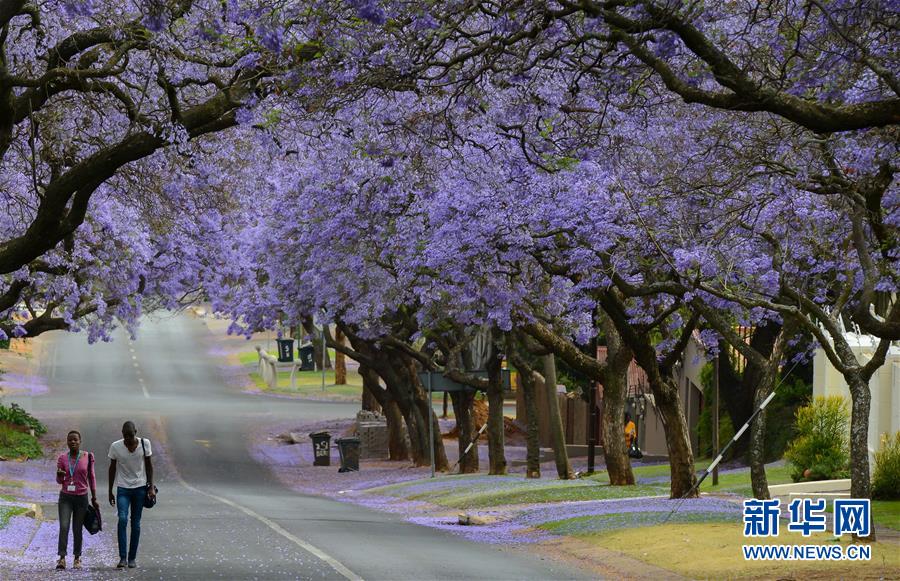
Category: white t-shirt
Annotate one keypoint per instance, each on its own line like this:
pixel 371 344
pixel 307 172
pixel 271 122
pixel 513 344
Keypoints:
pixel 130 465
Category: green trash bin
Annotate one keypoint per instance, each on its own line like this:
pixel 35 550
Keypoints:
pixel 349 449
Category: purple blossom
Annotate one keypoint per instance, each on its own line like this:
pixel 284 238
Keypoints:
pixel 369 10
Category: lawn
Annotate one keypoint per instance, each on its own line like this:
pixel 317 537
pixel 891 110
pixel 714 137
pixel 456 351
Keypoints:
pixel 887 513
pixel 16 445
pixel 713 550
pixel 7 512
pixel 481 491
pixel 309 383
pixel 734 482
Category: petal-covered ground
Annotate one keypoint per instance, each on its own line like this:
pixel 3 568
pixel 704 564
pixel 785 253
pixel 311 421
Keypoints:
pixel 511 509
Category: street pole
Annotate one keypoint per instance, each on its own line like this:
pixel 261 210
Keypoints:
pixel 592 427
pixel 430 425
pixel 715 418
pixel 324 353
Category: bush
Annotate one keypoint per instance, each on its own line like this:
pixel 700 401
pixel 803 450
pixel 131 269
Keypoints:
pixel 821 449
pixel 886 480
pixel 18 445
pixel 17 416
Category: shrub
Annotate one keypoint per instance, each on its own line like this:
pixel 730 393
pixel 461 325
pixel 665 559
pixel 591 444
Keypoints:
pixel 17 416
pixel 18 445
pixel 886 480
pixel 821 449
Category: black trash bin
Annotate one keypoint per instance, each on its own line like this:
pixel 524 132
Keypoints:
pixel 285 350
pixel 306 353
pixel 349 449
pixel 321 448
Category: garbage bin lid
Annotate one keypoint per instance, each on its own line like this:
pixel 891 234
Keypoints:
pixel 314 434
pixel 349 440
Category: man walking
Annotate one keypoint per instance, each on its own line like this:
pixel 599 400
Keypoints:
pixel 131 469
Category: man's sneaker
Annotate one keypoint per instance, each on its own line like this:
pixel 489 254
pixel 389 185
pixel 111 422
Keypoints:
pixel 77 563
pixel 121 564
pixel 61 564
pixel 132 564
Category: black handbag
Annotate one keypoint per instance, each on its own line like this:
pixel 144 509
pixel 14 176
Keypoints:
pixel 93 523
pixel 149 501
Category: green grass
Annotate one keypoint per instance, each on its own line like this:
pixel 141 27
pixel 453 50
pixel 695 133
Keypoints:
pixel 598 523
pixel 17 445
pixel 887 513
pixel 734 482
pixel 308 383
pixel 11 483
pixel 7 512
pixel 468 491
pixel 712 550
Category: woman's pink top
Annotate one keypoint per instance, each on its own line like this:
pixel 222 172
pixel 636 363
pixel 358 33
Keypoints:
pixel 82 480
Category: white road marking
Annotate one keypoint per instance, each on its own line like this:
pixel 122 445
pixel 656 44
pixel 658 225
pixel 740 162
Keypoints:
pixel 334 563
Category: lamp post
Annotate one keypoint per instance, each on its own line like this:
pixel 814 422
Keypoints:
pixel 430 425
pixel 324 353
pixel 715 418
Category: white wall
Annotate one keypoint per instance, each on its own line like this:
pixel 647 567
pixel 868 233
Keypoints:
pixel 884 416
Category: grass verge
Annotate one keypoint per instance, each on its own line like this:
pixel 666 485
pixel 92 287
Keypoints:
pixel 470 492
pixel 713 550
pixel 15 445
pixel 7 512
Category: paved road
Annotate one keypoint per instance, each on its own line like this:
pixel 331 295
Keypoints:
pixel 221 514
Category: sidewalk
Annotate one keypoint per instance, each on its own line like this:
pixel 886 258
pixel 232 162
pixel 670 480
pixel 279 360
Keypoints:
pixel 28 538
pixel 619 532
pixel 17 369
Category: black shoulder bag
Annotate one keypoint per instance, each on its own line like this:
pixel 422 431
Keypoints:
pixel 149 501
pixel 92 521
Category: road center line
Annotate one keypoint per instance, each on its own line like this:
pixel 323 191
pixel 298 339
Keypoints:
pixel 334 563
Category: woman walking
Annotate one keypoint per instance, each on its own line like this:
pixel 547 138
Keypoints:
pixel 75 473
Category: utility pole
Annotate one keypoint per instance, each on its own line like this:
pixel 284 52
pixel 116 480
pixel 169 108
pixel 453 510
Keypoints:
pixel 592 429
pixel 430 424
pixel 324 354
pixel 715 418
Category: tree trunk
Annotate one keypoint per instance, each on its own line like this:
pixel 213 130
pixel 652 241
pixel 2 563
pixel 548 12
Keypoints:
pixel 532 438
pixel 496 427
pixel 424 412
pixel 678 439
pixel 612 426
pixel 466 429
pixel 444 411
pixel 371 389
pixel 398 372
pixel 397 447
pixel 665 395
pixel 758 479
pixel 861 401
pixel 739 392
pixel 340 361
pixel 764 378
pixel 557 431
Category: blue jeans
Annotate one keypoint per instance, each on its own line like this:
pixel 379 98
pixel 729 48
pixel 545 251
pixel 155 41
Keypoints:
pixel 132 498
